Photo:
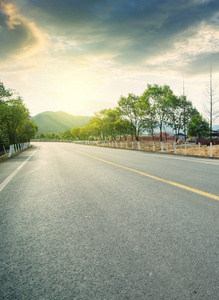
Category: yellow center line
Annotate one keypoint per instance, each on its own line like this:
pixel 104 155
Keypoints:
pixel 156 178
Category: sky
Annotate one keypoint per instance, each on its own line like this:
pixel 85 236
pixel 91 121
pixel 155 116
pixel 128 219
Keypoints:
pixel 80 56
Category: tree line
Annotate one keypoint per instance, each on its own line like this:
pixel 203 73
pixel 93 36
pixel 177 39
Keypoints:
pixel 15 124
pixel 156 108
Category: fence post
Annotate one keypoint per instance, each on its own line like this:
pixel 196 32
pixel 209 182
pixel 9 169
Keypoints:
pixel 139 147
pixel 211 150
pixel 10 151
pixel 161 143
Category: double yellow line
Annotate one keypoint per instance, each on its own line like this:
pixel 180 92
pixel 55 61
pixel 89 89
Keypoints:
pixel 155 177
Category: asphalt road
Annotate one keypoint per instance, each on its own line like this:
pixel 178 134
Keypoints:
pixel 81 222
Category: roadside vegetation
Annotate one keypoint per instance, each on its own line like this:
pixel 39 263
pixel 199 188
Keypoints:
pixel 154 110
pixel 15 124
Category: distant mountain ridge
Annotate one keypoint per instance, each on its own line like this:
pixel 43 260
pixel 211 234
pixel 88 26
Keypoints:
pixel 55 122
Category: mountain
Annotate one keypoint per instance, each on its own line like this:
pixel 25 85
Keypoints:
pixel 55 122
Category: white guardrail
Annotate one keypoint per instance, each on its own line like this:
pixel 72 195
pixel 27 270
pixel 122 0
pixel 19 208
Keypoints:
pixel 17 148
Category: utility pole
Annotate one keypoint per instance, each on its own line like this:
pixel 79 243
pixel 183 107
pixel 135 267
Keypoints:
pixel 184 110
pixel 211 101
pixel 183 87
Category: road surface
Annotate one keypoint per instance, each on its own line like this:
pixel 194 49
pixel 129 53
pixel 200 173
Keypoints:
pixel 84 222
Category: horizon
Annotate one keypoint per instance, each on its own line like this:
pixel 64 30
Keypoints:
pixel 81 57
pixel 214 125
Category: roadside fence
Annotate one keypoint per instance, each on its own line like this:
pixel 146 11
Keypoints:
pixel 162 147
pixel 3 149
pixel 17 148
pixel 170 147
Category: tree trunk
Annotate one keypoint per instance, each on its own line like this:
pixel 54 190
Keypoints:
pixel 161 132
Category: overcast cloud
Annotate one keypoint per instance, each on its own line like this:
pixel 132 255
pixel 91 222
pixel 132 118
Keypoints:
pixel 107 39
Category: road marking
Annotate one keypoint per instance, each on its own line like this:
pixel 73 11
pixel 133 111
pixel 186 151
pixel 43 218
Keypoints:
pixel 188 159
pixel 9 178
pixel 155 177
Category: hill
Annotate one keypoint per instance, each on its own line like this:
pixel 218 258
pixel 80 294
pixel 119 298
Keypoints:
pixel 55 122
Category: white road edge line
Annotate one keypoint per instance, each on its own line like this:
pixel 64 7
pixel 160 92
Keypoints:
pixel 188 158
pixel 179 157
pixel 9 178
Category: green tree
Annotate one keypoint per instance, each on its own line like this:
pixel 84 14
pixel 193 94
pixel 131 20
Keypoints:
pixel 123 127
pixel 41 136
pixel 96 126
pixel 13 115
pixel 148 113
pixel 4 93
pixel 28 131
pixel 150 123
pixel 187 111
pixel 67 135
pixel 198 127
pixel 160 99
pixel 75 132
pixel 110 119
pixel 84 133
pixel 15 124
pixel 130 110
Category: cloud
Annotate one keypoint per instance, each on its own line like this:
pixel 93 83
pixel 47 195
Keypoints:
pixel 152 36
pixel 141 34
pixel 19 35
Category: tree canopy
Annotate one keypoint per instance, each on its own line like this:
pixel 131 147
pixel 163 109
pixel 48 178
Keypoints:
pixel 156 108
pixel 15 123
pixel 198 127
